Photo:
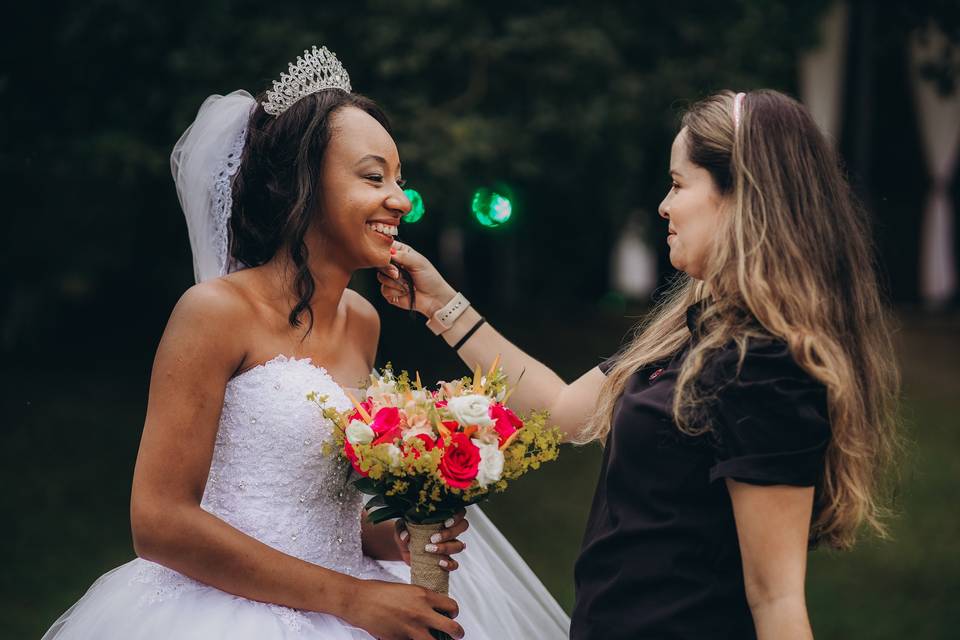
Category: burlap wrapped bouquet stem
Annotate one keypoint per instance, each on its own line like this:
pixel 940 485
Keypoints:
pixel 424 570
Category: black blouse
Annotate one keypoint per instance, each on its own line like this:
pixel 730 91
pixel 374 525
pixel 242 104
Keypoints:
pixel 660 557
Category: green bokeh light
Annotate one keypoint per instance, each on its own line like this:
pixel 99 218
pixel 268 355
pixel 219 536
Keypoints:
pixel 491 208
pixel 416 206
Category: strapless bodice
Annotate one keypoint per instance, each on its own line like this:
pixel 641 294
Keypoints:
pixel 269 476
pixel 270 479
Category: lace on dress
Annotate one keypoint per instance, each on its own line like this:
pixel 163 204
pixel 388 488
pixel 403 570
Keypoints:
pixel 269 479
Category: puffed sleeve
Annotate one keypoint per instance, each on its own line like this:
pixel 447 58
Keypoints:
pixel 770 417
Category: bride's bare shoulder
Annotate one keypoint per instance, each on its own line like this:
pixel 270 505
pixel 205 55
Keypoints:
pixel 359 306
pixel 207 332
pixel 219 301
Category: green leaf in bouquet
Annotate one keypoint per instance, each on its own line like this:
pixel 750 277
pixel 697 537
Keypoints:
pixel 417 516
pixel 376 501
pixel 368 486
pixel 399 502
pixel 381 515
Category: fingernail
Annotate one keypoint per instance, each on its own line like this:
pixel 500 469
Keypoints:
pixel 436 537
pixel 464 545
pixel 444 564
pixel 448 522
pixel 404 535
pixel 430 548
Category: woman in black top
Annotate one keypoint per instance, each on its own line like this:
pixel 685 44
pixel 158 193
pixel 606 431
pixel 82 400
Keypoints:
pixel 752 414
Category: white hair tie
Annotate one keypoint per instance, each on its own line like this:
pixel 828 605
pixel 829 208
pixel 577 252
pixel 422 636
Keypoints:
pixel 737 108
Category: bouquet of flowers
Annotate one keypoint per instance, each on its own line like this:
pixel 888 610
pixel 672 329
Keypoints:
pixel 423 454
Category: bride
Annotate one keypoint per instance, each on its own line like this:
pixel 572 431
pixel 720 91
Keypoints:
pixel 242 527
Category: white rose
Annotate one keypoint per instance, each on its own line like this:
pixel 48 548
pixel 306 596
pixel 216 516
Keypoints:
pixel 396 455
pixel 359 433
pixel 424 429
pixel 469 410
pixel 383 388
pixel 491 463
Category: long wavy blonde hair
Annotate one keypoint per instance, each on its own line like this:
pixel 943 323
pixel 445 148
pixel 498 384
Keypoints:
pixel 794 260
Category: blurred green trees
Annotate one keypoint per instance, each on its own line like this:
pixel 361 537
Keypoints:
pixel 573 104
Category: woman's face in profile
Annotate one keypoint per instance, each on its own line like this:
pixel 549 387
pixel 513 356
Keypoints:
pixel 362 192
pixel 693 208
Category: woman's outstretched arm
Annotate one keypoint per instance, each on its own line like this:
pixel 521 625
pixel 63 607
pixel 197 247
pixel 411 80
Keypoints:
pixel 569 404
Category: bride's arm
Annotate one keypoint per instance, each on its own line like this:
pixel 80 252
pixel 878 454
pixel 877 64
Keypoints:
pixel 569 404
pixel 194 361
pixel 198 354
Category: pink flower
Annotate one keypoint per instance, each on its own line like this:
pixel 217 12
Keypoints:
pixel 507 422
pixel 386 419
pixel 352 457
pixel 460 461
pixel 386 425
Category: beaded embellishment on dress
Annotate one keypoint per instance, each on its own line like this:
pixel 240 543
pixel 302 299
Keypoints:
pixel 269 478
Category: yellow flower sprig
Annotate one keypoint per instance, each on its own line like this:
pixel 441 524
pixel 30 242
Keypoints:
pixel 403 475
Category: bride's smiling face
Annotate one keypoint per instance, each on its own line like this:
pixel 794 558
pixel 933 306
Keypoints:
pixel 362 190
pixel 693 209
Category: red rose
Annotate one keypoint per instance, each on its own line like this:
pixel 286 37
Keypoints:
pixel 386 425
pixel 428 444
pixel 507 422
pixel 386 419
pixel 367 406
pixel 388 438
pixel 460 461
pixel 352 457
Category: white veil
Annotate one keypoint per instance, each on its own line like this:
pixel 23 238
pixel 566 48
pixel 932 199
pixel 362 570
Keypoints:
pixel 493 579
pixel 519 606
pixel 203 162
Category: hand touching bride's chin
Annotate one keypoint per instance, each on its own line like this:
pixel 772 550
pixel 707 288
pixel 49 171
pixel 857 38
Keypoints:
pixel 431 291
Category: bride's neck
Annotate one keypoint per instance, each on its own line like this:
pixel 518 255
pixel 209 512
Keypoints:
pixel 330 280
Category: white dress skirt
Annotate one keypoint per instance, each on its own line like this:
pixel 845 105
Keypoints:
pixel 270 479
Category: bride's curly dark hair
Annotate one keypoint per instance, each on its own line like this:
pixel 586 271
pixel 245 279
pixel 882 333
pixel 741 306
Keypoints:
pixel 277 190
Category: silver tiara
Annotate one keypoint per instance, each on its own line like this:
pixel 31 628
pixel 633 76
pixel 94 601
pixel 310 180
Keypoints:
pixel 315 70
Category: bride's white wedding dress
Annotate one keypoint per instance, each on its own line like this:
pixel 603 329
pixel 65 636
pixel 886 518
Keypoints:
pixel 270 479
